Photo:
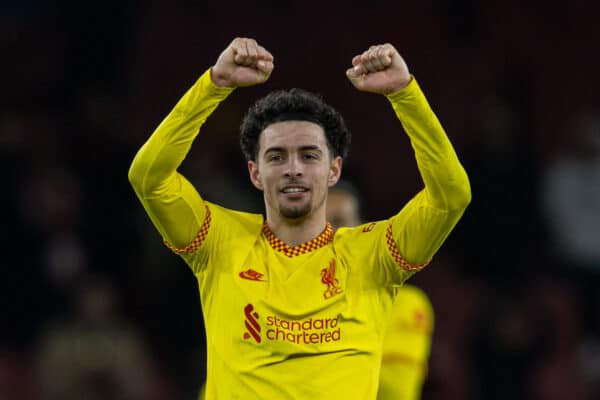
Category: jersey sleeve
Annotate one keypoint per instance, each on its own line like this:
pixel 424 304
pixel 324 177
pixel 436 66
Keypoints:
pixel 416 233
pixel 175 207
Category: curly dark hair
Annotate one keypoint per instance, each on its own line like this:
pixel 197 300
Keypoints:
pixel 293 105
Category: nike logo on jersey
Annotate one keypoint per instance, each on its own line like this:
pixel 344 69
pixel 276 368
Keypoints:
pixel 252 275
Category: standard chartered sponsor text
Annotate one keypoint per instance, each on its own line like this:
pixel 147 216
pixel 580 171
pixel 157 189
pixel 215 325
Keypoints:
pixel 308 331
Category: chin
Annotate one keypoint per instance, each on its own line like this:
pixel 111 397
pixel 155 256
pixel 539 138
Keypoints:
pixel 294 213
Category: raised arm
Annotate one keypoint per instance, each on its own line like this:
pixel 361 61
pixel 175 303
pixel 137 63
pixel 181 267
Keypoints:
pixel 174 206
pixel 421 227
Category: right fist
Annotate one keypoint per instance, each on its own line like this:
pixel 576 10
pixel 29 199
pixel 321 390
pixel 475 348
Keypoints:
pixel 243 63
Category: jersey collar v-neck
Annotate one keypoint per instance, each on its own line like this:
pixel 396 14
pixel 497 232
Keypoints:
pixel 279 245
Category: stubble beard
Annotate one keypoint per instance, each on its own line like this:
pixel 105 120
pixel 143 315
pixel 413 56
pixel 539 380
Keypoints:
pixel 295 212
pixel 299 211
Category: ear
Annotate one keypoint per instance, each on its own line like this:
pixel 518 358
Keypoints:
pixel 335 171
pixel 255 175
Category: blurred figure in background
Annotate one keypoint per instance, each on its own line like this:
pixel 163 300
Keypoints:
pixel 407 342
pixel 571 207
pixel 571 195
pixel 96 354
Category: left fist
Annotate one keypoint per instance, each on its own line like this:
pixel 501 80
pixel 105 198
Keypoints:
pixel 380 70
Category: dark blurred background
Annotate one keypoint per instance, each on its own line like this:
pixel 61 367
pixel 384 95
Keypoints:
pixel 94 307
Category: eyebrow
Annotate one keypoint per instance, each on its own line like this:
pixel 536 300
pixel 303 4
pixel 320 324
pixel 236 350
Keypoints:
pixel 302 148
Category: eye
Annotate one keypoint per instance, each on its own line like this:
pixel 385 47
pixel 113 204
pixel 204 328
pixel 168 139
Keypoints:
pixel 311 156
pixel 275 157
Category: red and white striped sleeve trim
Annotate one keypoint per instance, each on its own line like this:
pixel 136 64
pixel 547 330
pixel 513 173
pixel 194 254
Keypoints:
pixel 194 244
pixel 401 261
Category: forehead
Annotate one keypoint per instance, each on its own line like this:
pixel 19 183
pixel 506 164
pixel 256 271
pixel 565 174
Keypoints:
pixel 291 135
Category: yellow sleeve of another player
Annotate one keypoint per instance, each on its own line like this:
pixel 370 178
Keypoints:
pixel 406 345
pixel 172 203
pixel 421 227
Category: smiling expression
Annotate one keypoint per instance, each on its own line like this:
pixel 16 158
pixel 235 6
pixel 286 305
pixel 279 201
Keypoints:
pixel 294 169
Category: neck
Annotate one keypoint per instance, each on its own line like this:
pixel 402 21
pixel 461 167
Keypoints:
pixel 297 231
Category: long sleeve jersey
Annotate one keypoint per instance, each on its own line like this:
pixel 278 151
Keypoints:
pixel 306 321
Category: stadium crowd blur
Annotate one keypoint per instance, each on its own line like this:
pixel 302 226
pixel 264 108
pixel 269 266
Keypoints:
pixel 93 306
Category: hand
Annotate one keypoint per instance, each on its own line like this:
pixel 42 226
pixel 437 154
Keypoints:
pixel 243 63
pixel 380 69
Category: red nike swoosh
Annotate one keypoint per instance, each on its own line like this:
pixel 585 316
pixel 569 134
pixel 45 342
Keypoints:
pixel 252 275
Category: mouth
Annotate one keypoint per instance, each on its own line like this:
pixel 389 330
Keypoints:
pixel 294 189
pixel 293 192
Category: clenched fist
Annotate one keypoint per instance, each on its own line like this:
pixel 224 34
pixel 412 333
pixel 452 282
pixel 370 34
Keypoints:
pixel 380 69
pixel 243 63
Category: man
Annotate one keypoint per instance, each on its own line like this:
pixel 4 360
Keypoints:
pixel 407 341
pixel 292 311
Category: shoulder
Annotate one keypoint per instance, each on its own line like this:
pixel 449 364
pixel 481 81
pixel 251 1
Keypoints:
pixel 233 219
pixel 369 230
pixel 362 237
pixel 226 226
pixel 225 232
pixel 362 242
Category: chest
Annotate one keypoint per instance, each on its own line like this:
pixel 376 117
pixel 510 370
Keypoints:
pixel 298 285
pixel 298 304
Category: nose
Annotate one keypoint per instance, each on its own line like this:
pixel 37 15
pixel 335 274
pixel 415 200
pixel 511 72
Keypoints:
pixel 294 168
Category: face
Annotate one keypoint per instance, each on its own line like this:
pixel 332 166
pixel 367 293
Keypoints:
pixel 294 169
pixel 342 209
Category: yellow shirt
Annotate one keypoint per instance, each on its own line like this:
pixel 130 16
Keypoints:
pixel 293 323
pixel 304 322
pixel 406 346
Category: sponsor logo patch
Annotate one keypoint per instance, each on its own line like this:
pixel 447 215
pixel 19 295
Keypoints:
pixel 251 323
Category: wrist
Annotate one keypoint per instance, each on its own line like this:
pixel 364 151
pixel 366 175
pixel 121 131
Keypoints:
pixel 219 79
pixel 400 85
pixel 406 92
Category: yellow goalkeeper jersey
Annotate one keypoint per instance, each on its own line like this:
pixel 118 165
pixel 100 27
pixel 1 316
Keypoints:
pixel 302 322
